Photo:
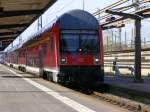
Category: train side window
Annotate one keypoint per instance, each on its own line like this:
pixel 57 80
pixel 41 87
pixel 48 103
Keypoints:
pixel 34 51
pixel 34 61
pixel 23 53
pixel 19 53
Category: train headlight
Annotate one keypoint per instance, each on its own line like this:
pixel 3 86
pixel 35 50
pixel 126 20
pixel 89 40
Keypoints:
pixel 96 60
pixel 63 60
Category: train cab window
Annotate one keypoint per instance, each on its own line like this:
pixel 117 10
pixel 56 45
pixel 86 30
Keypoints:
pixel 69 43
pixel 89 43
pixel 79 42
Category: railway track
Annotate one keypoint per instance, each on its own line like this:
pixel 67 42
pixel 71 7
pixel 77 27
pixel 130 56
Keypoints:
pixel 132 106
pixel 122 102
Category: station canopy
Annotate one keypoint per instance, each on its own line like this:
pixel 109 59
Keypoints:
pixel 17 15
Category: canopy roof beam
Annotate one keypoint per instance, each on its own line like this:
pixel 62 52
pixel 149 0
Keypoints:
pixel 7 26
pixel 7 38
pixel 19 13
pixel 9 33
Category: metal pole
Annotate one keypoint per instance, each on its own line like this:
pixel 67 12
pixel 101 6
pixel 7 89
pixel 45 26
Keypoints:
pixel 120 37
pixel 136 4
pixel 99 15
pixel 144 42
pixel 137 42
pixel 83 4
pixel 115 40
pixel 125 39
pixel 112 40
pixel 107 44
pixel 132 40
pixel 138 51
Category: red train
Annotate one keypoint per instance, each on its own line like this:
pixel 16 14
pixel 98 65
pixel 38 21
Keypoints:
pixel 69 51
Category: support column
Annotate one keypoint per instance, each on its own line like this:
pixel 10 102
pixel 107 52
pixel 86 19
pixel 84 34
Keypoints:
pixel 126 46
pixel 138 51
pixel 120 38
pixel 112 42
pixel 137 19
pixel 107 44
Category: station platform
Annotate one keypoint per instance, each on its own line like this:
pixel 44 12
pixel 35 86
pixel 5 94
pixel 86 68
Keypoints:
pixel 128 85
pixel 23 92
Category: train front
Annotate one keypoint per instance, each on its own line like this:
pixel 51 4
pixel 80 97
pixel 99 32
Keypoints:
pixel 80 51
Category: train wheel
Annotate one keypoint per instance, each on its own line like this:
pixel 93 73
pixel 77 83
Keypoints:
pixel 49 76
pixel 24 69
pixel 89 91
pixel 44 75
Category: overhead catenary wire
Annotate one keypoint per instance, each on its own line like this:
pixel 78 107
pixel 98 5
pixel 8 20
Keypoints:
pixel 111 6
pixel 125 8
pixel 109 15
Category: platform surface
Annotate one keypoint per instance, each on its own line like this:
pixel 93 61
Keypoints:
pixel 21 92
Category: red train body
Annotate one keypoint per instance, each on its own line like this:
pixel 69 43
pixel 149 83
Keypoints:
pixel 69 51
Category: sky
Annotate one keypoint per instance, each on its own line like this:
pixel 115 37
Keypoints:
pixel 62 6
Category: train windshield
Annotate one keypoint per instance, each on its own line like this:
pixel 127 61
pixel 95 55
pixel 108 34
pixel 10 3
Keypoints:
pixel 79 42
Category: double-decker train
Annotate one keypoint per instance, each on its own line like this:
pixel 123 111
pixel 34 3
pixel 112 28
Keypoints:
pixel 69 51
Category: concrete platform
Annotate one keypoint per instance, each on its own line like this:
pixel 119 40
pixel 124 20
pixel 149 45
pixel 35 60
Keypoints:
pixel 21 92
pixel 126 82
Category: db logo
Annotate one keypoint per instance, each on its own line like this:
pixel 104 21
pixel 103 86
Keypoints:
pixel 81 60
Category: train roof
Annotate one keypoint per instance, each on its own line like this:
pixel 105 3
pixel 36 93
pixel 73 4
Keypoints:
pixel 78 19
pixel 73 20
